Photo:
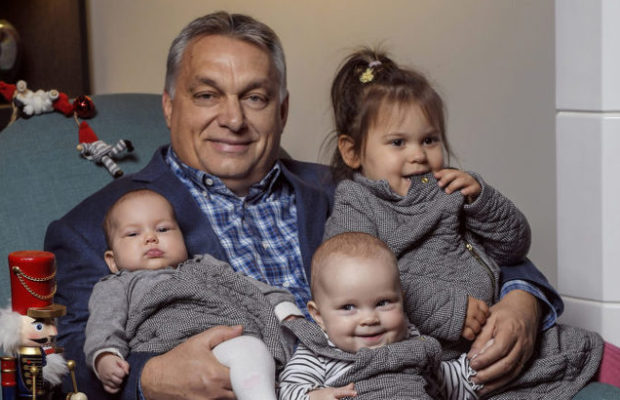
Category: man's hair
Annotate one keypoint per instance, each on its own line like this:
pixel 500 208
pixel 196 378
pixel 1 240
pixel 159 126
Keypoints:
pixel 349 244
pixel 108 223
pixel 236 26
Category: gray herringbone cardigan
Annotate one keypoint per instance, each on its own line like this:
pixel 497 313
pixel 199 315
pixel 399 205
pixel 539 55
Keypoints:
pixel 447 250
pixel 395 371
pixel 154 311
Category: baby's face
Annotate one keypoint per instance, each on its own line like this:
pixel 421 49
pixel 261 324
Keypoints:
pixel 358 302
pixel 145 235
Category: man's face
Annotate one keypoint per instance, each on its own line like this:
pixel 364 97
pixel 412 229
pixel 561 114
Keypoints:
pixel 226 116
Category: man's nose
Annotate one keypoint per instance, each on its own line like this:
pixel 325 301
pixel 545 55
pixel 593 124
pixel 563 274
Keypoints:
pixel 231 114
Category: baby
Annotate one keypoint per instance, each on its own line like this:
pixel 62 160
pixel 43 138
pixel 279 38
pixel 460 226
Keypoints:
pixel 357 301
pixel 134 308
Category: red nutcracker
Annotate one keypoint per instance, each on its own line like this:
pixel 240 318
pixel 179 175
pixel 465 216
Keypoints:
pixel 28 329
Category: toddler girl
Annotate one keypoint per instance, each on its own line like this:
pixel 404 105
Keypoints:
pixel 448 228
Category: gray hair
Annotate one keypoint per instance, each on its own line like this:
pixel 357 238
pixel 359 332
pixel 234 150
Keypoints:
pixel 237 26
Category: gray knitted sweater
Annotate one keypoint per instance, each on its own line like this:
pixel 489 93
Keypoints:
pixel 154 311
pixel 395 371
pixel 447 250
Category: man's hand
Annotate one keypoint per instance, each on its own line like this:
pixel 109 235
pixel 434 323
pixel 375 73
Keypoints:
pixel 477 314
pixel 513 326
pixel 112 370
pixel 452 180
pixel 190 370
pixel 333 393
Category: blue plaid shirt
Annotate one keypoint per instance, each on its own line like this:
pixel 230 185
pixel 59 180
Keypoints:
pixel 258 231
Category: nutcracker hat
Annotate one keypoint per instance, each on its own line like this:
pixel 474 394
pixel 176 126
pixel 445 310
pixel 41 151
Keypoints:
pixel 86 133
pixel 33 284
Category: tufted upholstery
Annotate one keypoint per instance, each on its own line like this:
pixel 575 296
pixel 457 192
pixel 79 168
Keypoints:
pixel 42 175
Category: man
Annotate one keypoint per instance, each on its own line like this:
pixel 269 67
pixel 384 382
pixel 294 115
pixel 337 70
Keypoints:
pixel 226 104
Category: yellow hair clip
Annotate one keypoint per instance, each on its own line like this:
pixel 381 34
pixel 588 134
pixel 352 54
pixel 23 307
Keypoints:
pixel 368 74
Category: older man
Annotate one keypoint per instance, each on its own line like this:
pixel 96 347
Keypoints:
pixel 226 104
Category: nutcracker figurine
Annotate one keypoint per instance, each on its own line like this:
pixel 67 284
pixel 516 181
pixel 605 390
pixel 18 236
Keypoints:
pixel 34 365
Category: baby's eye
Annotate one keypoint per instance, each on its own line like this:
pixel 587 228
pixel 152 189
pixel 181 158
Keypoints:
pixel 398 142
pixel 383 303
pixel 348 307
pixel 163 229
pixel 132 234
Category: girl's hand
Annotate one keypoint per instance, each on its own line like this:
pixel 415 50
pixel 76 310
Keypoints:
pixel 333 393
pixel 452 180
pixel 477 314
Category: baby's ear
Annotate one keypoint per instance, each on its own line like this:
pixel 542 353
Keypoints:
pixel 108 256
pixel 346 147
pixel 313 309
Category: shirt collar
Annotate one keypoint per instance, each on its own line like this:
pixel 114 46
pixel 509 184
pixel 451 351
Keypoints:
pixel 214 184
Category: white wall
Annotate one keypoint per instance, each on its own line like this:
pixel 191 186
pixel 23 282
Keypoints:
pixel 493 61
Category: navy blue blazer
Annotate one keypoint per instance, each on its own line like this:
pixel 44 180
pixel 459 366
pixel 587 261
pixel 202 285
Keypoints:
pixel 78 242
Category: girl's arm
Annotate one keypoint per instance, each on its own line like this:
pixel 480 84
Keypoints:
pixel 498 225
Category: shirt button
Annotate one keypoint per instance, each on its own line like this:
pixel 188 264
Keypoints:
pixel 424 179
pixel 209 182
pixel 265 245
pixel 286 284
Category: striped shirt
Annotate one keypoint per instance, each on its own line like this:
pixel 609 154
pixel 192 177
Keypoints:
pixel 307 371
pixel 258 231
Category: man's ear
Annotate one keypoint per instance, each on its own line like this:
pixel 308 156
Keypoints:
pixel 284 111
pixel 346 147
pixel 313 309
pixel 166 105
pixel 108 256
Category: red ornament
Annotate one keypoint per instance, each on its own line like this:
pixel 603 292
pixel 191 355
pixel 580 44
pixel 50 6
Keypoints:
pixel 84 107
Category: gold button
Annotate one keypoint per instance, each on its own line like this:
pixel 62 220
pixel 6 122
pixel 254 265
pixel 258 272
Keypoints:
pixel 424 179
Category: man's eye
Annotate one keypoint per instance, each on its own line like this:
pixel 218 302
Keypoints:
pixel 204 95
pixel 256 100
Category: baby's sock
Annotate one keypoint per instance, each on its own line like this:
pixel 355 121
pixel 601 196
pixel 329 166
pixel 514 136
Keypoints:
pixel 252 369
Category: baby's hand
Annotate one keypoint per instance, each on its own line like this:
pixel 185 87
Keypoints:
pixel 333 393
pixel 452 180
pixel 477 314
pixel 112 370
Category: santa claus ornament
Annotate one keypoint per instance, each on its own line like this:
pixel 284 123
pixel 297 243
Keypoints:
pixel 32 365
